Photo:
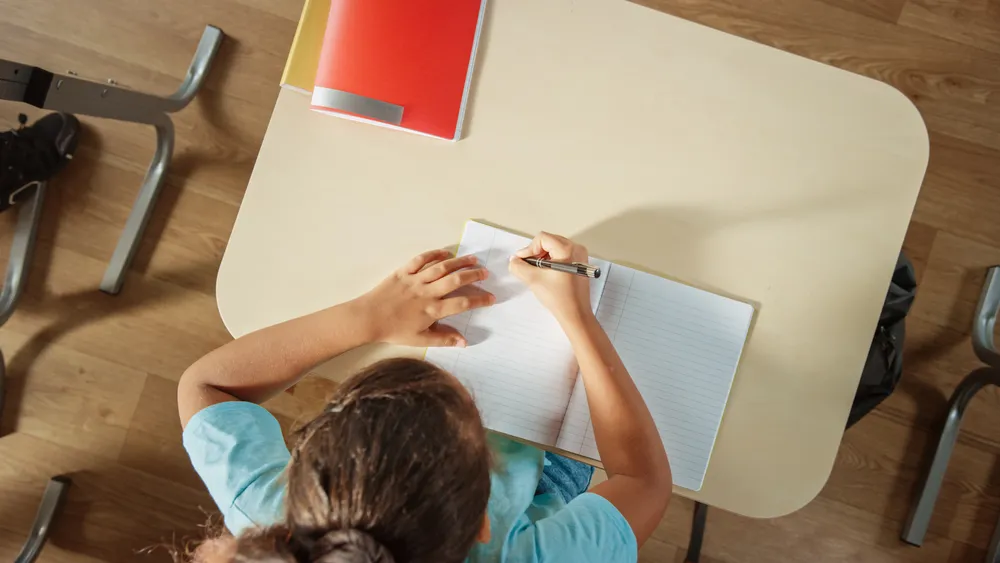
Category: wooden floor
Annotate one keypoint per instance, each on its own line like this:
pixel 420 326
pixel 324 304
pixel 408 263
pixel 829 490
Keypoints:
pixel 94 376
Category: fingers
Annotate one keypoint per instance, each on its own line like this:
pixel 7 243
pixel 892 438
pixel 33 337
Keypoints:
pixel 429 264
pixel 521 269
pixel 533 249
pixel 416 263
pixel 557 247
pixel 458 280
pixel 462 303
pixel 441 335
pixel 445 267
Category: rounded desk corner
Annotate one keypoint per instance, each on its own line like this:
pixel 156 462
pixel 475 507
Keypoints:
pixel 916 118
pixel 808 491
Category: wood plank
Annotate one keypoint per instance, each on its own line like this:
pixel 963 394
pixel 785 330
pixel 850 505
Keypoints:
pixel 953 280
pixel 110 513
pixel 961 192
pixel 885 10
pixel 304 401
pixel 10 545
pixel 917 246
pixel 935 359
pixel 972 22
pixel 825 530
pixel 154 441
pixel 879 465
pixel 964 553
pixel 184 241
pixel 67 397
pixel 656 551
pixel 975 122
pixel 151 326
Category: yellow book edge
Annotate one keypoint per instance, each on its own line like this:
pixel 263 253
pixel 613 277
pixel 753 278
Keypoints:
pixel 299 73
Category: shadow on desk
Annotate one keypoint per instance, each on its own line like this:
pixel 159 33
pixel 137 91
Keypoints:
pixel 681 237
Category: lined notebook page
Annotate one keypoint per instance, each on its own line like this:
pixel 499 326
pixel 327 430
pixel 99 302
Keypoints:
pixel 681 345
pixel 518 366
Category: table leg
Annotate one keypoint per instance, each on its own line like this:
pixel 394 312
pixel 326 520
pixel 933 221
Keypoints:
pixel 697 532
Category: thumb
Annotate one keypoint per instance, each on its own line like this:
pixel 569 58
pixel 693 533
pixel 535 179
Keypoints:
pixel 441 335
pixel 521 269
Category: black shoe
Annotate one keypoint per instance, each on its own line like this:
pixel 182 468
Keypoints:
pixel 32 155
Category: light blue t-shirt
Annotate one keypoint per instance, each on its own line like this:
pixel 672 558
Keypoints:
pixel 238 450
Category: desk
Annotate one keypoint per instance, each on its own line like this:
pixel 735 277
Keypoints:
pixel 654 141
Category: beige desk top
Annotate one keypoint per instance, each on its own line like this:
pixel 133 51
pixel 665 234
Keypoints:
pixel 654 141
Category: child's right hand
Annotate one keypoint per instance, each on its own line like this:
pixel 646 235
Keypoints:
pixel 565 295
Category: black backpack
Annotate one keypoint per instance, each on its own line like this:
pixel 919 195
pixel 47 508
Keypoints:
pixel 885 357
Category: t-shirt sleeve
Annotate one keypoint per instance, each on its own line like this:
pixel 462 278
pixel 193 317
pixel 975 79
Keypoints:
pixel 588 529
pixel 239 452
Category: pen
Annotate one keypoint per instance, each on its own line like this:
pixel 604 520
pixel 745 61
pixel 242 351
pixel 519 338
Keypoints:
pixel 585 270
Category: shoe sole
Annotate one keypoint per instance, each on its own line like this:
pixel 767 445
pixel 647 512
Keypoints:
pixel 67 139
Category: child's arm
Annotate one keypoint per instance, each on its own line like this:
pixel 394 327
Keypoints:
pixel 631 450
pixel 403 309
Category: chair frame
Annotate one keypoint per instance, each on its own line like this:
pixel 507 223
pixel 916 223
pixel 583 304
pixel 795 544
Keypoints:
pixel 43 89
pixel 983 344
pixel 71 94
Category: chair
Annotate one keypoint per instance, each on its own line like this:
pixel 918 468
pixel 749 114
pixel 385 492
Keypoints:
pixel 43 89
pixel 983 345
pixel 70 94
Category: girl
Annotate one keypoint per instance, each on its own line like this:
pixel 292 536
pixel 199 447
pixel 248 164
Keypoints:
pixel 398 467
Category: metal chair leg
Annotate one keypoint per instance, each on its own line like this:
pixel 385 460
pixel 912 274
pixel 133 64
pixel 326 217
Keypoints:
pixel 920 515
pixel 22 248
pixel 982 343
pixel 52 500
pixel 71 94
pixel 985 319
pixel 142 209
pixel 29 215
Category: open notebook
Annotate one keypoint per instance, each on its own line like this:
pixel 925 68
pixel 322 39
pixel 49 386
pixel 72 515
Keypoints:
pixel 680 344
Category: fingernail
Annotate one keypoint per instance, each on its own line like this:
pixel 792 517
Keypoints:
pixel 473 259
pixel 460 343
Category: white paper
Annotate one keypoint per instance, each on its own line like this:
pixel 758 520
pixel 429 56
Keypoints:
pixel 518 366
pixel 681 345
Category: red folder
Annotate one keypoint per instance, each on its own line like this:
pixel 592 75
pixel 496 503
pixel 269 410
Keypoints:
pixel 404 64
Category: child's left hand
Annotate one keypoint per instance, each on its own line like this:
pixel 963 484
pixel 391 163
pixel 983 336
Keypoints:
pixel 405 307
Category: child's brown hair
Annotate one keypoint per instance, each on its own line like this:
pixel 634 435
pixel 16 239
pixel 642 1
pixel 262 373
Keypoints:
pixel 395 470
